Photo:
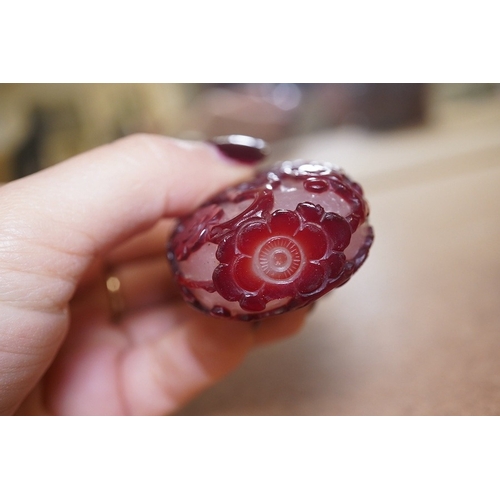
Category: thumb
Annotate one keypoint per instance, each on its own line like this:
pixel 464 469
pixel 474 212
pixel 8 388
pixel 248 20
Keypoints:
pixel 54 223
pixel 58 220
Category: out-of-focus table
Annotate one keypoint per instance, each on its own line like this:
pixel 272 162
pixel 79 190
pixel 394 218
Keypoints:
pixel 417 330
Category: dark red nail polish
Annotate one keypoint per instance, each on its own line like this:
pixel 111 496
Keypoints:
pixel 242 148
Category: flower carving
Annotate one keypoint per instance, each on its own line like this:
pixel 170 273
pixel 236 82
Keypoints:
pixel 292 254
pixel 272 244
pixel 195 231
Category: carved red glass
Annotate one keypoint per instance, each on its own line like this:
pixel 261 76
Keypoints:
pixel 274 244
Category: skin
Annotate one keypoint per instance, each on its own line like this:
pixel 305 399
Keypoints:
pixel 62 232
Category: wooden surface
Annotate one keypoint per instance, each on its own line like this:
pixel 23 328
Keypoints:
pixel 417 330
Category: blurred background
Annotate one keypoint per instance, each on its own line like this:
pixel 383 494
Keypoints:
pixel 417 330
pixel 42 124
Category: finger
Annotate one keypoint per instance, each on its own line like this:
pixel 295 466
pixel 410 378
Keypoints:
pixel 54 224
pixel 153 364
pixel 146 245
pixel 161 376
pixel 92 202
pixel 150 243
pixel 279 328
pixel 144 282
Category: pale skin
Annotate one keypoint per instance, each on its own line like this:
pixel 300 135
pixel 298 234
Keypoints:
pixel 62 231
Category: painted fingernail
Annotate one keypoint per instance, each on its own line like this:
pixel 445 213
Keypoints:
pixel 242 148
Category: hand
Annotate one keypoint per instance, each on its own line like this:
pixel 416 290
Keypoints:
pixel 62 232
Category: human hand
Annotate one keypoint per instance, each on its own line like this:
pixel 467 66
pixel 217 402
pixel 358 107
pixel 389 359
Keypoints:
pixel 62 232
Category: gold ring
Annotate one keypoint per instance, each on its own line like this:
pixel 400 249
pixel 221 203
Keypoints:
pixel 116 302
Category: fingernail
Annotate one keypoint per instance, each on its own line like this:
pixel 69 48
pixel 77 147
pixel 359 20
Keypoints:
pixel 242 148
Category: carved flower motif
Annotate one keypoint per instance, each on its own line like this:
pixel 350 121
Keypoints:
pixel 272 244
pixel 289 253
pixel 196 230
